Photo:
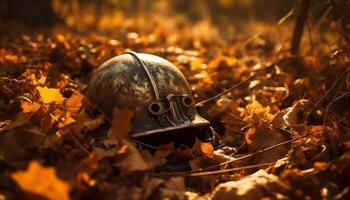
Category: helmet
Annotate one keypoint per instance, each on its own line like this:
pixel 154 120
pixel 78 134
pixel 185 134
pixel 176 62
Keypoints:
pixel 153 88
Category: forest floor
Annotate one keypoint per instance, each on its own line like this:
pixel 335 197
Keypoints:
pixel 285 133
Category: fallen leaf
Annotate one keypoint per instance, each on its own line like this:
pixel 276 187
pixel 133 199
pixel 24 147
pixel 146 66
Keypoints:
pixel 201 148
pixel 49 95
pixel 131 160
pixel 255 186
pixel 111 152
pixel 66 120
pixel 261 135
pixel 84 121
pixel 121 123
pixel 36 81
pixel 152 160
pixel 43 181
pixel 255 108
pixel 207 149
pixel 28 107
pixel 74 102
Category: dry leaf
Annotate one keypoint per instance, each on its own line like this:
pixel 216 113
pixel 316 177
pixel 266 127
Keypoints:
pixel 42 181
pixel 255 186
pixel 255 108
pixel 14 145
pixel 201 148
pixel 28 107
pixel 49 95
pixel 111 152
pixel 74 102
pixel 131 160
pixel 207 149
pixel 84 121
pixel 121 123
pixel 153 161
pixel 66 120
pixel 261 135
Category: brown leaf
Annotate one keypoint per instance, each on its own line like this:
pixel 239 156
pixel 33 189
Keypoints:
pixel 74 102
pixel 121 123
pixel 261 135
pixel 255 186
pixel 131 160
pixel 153 161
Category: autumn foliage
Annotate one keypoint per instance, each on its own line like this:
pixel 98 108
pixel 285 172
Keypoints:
pixel 285 134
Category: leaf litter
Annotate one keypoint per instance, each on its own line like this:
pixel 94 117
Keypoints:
pixel 276 144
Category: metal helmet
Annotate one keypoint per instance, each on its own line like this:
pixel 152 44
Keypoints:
pixel 152 87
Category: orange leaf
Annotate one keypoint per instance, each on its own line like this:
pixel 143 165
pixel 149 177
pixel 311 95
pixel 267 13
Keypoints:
pixel 49 95
pixel 121 123
pixel 28 107
pixel 74 102
pixel 201 148
pixel 207 149
pixel 66 120
pixel 42 181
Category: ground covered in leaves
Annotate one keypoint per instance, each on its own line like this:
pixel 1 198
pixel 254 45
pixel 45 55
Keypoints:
pixel 285 133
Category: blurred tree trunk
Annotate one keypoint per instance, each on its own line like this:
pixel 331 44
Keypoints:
pixel 299 25
pixel 30 12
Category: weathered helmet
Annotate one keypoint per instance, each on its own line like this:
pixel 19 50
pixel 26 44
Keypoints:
pixel 153 88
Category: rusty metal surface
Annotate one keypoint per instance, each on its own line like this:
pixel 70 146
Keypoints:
pixel 123 82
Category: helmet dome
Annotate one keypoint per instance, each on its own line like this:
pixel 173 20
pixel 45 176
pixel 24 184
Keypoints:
pixel 152 87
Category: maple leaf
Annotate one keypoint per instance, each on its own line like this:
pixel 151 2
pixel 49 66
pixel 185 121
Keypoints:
pixel 121 123
pixel 49 95
pixel 42 181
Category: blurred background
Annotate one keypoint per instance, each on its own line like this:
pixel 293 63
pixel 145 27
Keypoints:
pixel 111 14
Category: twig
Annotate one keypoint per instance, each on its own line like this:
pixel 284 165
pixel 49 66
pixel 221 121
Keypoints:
pixel 222 171
pixel 72 135
pixel 144 144
pixel 288 15
pixel 187 173
pixel 225 92
pixel 328 92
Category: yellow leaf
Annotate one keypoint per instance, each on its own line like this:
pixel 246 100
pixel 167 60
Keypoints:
pixel 222 61
pixel 121 123
pixel 49 95
pixel 256 108
pixel 196 64
pixel 74 102
pixel 42 181
pixel 36 81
